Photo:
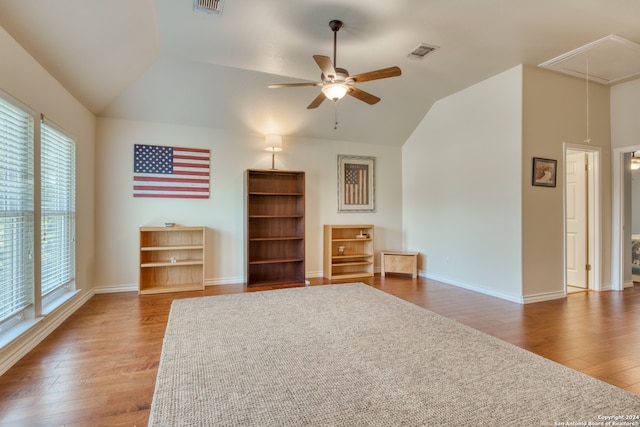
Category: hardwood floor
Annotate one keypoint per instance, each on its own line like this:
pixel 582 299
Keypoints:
pixel 99 367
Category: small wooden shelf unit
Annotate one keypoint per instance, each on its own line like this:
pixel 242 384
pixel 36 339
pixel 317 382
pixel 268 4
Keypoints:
pixel 171 259
pixel 274 227
pixel 357 258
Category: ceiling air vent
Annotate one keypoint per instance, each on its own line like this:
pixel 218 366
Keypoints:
pixel 208 6
pixel 421 51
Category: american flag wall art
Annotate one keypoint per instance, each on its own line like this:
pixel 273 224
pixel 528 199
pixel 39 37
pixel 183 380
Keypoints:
pixel 356 180
pixel 356 183
pixel 172 172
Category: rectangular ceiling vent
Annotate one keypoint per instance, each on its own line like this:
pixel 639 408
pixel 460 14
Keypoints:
pixel 422 51
pixel 208 6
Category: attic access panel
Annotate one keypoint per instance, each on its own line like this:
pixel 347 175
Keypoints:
pixel 609 60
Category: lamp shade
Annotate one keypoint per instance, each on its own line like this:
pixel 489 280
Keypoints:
pixel 335 91
pixel 273 142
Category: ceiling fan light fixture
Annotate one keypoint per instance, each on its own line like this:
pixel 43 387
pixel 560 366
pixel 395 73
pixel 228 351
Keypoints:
pixel 335 91
pixel 336 82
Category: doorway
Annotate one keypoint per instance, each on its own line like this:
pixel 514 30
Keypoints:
pixel 577 232
pixel 621 269
pixel 581 219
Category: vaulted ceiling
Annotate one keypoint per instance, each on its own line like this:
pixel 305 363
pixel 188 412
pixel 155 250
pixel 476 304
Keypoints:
pixel 162 61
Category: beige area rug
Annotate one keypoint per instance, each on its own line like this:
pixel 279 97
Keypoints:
pixel 351 355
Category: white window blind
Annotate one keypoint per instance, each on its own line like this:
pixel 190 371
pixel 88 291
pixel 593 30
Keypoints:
pixel 58 209
pixel 16 211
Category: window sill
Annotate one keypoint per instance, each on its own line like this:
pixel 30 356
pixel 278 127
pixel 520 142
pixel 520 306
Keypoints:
pixel 16 331
pixel 54 304
pixel 25 325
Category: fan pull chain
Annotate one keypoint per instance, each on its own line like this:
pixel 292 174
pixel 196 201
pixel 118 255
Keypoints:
pixel 335 126
pixel 588 140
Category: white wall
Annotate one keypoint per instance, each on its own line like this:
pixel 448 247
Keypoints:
pixel 119 214
pixel 25 80
pixel 462 188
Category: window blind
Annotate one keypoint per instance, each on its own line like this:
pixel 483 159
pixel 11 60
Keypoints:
pixel 58 210
pixel 16 210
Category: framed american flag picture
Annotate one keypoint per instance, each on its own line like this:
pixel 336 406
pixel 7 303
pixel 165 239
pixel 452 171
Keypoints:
pixel 356 183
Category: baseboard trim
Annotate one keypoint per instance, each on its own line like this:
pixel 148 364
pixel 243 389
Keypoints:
pixel 545 296
pixel 116 288
pixel 134 287
pixel 475 288
pixel 314 274
pixel 525 299
pixel 224 281
pixel 207 282
pixel 605 287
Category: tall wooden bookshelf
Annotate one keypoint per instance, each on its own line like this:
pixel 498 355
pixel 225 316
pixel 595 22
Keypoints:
pixel 171 259
pixel 348 251
pixel 274 227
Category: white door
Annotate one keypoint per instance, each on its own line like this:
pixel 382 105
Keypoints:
pixel 576 204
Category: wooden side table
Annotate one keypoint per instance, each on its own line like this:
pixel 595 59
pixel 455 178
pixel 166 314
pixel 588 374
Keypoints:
pixel 399 262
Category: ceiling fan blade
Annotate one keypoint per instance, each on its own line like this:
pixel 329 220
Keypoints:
pixel 325 64
pixel 363 96
pixel 275 86
pixel 375 75
pixel 316 102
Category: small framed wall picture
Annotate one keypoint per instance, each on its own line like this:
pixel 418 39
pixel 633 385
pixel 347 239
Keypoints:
pixel 356 180
pixel 544 172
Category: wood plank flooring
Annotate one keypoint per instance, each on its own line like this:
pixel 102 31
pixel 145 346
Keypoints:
pixel 99 367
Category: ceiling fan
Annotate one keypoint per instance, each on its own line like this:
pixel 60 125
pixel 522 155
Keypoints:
pixel 336 82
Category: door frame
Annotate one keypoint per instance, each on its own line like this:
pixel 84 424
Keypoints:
pixel 594 221
pixel 618 217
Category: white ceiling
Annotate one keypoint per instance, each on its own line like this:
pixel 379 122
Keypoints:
pixel 161 61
